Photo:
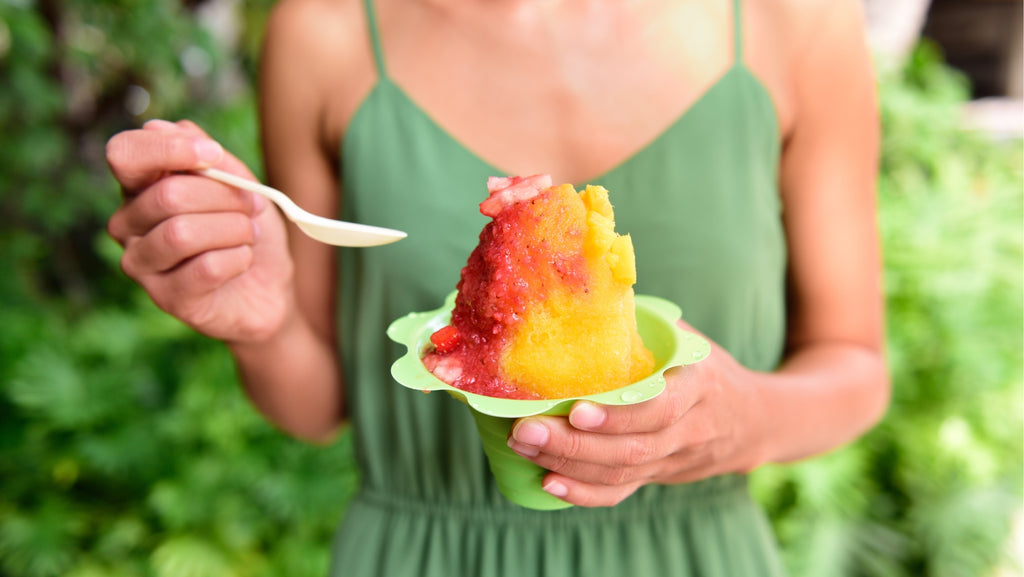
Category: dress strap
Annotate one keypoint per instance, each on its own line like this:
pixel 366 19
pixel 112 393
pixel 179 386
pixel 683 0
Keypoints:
pixel 371 26
pixel 737 31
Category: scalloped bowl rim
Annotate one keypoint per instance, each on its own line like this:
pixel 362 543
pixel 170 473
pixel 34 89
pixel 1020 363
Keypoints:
pixel 656 320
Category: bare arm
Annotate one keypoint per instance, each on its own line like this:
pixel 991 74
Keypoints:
pixel 834 383
pixel 295 378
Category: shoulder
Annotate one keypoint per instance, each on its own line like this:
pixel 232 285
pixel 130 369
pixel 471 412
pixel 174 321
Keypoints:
pixel 306 17
pixel 313 30
pixel 797 47
pixel 802 24
pixel 319 50
pixel 827 36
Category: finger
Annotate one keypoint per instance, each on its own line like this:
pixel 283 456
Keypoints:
pixel 598 474
pixel 682 392
pixel 210 270
pixel 586 494
pixel 161 125
pixel 190 127
pixel 687 465
pixel 177 195
pixel 181 238
pixel 555 445
pixel 138 158
pixel 228 162
pixel 183 126
pixel 181 291
pixel 693 465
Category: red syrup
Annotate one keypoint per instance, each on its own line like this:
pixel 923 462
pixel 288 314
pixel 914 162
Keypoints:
pixel 509 269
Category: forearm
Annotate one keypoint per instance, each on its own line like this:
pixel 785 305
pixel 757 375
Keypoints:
pixel 294 379
pixel 823 396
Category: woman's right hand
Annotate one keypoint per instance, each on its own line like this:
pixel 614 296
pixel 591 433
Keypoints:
pixel 213 256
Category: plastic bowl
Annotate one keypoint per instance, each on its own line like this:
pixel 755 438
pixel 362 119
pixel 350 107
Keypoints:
pixel 518 478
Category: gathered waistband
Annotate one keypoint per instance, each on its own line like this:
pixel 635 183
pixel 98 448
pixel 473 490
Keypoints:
pixel 650 502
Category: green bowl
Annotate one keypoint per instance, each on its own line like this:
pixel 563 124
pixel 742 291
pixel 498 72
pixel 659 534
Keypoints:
pixel 518 478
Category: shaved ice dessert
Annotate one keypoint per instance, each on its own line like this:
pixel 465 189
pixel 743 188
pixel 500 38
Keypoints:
pixel 545 306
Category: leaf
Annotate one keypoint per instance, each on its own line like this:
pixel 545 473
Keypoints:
pixel 189 556
pixel 964 530
pixel 40 543
pixel 47 383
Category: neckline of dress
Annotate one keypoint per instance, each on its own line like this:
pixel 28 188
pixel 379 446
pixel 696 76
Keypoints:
pixel 384 83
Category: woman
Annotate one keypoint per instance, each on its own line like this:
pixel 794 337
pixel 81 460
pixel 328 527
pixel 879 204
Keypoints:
pixel 739 142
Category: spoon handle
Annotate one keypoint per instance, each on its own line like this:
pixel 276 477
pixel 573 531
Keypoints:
pixel 329 231
pixel 276 196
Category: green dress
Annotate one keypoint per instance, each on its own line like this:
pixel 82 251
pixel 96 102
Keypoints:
pixel 701 204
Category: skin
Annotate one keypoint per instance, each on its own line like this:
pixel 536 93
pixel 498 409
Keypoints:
pixel 601 80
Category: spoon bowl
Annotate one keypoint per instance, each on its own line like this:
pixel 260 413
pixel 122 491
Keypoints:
pixel 325 230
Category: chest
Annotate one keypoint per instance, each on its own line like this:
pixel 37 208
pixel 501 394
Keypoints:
pixel 577 93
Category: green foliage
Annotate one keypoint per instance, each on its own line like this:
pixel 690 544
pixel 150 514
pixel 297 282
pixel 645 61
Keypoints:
pixel 126 445
pixel 127 448
pixel 935 488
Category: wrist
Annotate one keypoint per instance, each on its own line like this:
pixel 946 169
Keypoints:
pixel 272 334
pixel 293 378
pixel 761 414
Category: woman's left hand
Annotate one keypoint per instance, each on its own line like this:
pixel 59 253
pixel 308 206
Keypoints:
pixel 707 422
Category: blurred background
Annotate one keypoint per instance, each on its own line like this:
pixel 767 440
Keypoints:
pixel 127 448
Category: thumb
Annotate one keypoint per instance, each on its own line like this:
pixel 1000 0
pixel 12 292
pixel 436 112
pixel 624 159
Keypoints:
pixel 139 157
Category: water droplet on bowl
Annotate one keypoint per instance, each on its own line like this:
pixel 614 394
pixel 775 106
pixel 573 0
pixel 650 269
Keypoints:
pixel 631 396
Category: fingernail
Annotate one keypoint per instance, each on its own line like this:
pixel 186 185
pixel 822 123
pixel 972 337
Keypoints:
pixel 528 451
pixel 208 151
pixel 530 433
pixel 556 489
pixel 587 416
pixel 255 229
